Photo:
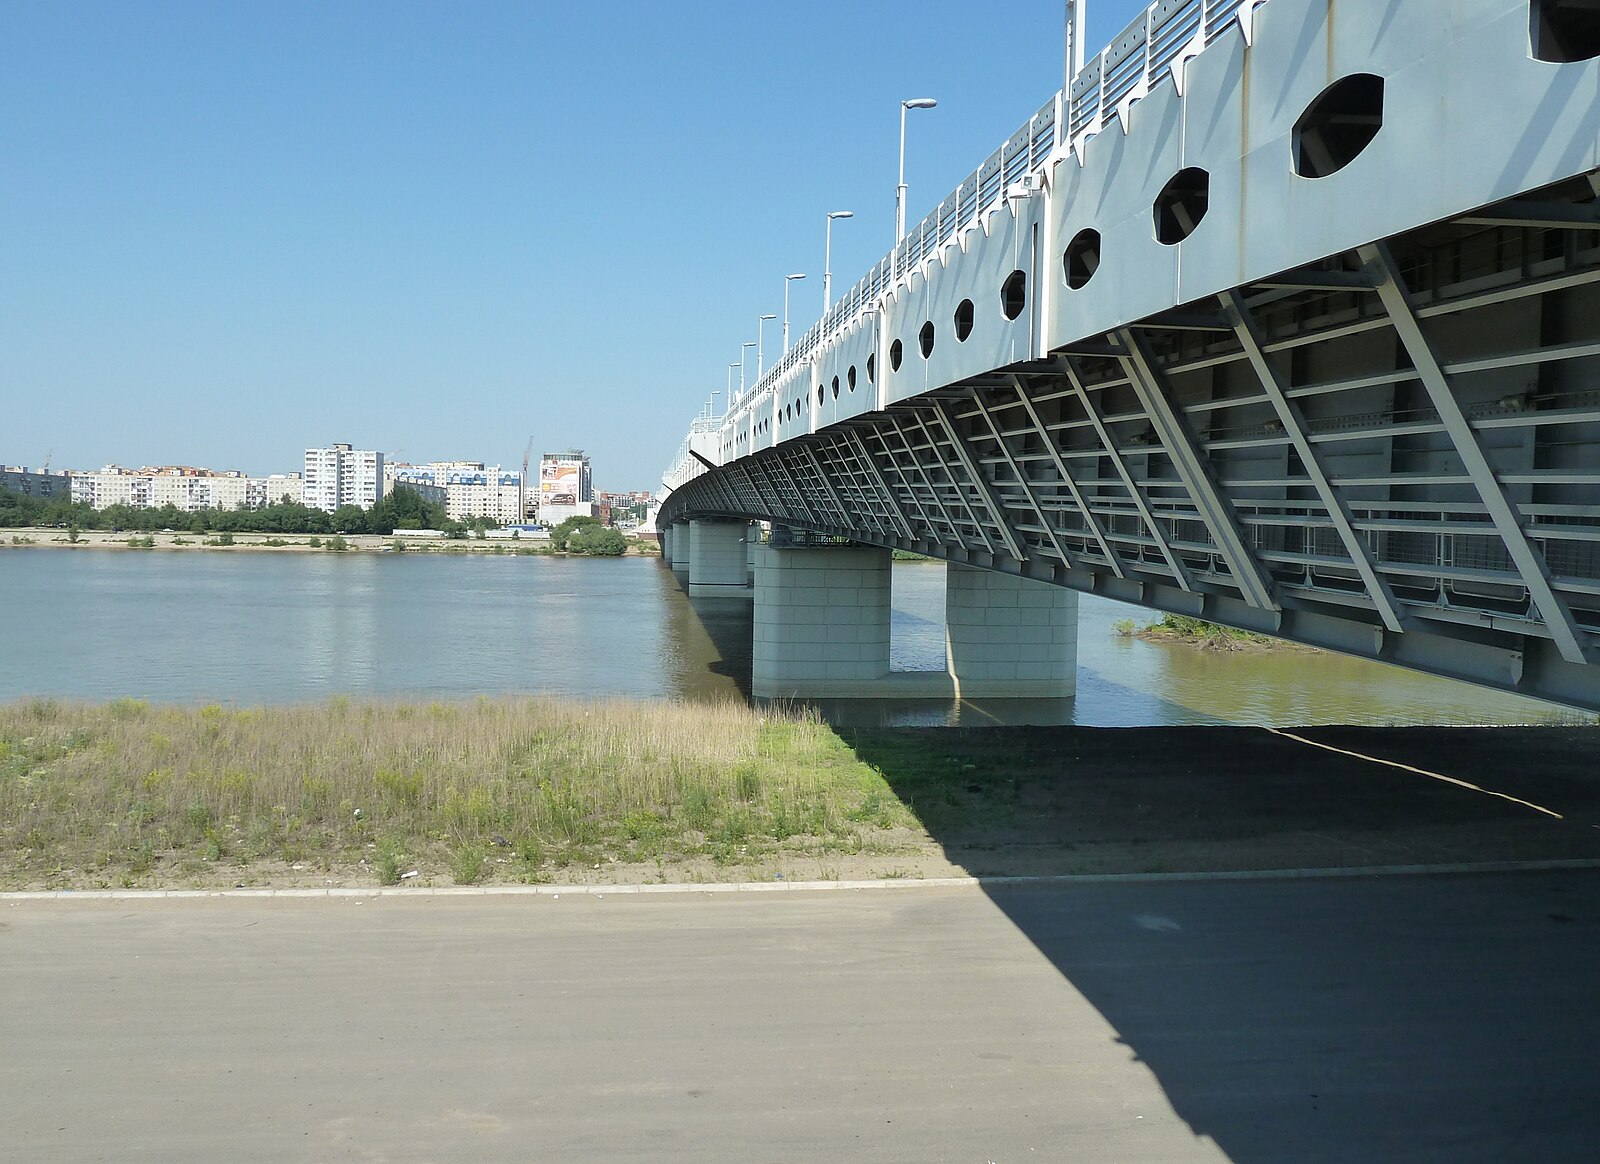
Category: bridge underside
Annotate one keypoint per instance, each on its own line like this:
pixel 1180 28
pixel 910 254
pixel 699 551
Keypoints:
pixel 1391 452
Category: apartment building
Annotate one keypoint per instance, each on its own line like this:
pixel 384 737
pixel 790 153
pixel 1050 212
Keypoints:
pixel 341 475
pixel 468 489
pixel 183 487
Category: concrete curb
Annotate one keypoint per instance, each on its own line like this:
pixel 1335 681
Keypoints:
pixel 599 891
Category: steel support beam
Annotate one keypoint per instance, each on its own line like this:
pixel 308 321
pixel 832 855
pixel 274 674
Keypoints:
pixel 985 490
pixel 1548 215
pixel 961 496
pixel 865 487
pixel 786 460
pixel 1219 516
pixel 1294 424
pixel 871 467
pixel 810 455
pixel 933 492
pixel 1090 518
pixel 1180 572
pixel 1396 299
pixel 1022 480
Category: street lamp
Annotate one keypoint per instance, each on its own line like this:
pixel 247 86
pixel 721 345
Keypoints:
pixel 787 279
pixel 742 350
pixel 731 367
pixel 761 338
pixel 827 257
pixel 900 191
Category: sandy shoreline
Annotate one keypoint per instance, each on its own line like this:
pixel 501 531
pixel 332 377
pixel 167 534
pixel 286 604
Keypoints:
pixel 95 539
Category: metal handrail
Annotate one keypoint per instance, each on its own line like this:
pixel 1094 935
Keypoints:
pixel 1159 41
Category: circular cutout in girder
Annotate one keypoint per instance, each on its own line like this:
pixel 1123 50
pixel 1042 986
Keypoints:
pixel 1181 205
pixel 1014 294
pixel 1338 125
pixel 1082 258
pixel 1563 31
pixel 963 320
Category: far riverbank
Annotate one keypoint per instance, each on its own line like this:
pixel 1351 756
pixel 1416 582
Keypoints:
pixel 92 539
pixel 517 790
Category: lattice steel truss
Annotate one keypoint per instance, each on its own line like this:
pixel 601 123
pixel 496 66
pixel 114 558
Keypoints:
pixel 1394 452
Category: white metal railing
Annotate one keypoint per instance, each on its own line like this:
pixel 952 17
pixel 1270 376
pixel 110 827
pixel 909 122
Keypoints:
pixel 1158 41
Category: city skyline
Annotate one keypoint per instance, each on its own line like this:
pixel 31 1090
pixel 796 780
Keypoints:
pixel 229 221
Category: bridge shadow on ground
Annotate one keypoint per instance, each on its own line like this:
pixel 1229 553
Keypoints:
pixel 1444 1018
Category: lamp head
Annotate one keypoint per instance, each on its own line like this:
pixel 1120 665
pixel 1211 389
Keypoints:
pixel 769 317
pixel 920 103
pixel 841 214
pixel 800 276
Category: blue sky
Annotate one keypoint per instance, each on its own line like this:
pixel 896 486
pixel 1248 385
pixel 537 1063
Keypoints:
pixel 228 231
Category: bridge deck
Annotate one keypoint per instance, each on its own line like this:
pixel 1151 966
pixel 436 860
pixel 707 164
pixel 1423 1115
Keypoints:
pixel 1355 406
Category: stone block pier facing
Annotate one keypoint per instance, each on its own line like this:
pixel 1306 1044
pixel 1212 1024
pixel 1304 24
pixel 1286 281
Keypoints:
pixel 822 620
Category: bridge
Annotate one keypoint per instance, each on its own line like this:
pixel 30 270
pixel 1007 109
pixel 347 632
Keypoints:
pixel 1284 314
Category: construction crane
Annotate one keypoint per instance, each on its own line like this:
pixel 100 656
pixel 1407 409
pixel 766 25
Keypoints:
pixel 522 501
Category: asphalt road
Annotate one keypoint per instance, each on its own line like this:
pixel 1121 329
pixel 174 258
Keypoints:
pixel 1445 1018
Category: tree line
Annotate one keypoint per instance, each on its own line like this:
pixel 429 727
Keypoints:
pixel 400 508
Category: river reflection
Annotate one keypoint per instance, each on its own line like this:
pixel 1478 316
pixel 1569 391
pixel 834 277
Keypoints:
pixel 275 628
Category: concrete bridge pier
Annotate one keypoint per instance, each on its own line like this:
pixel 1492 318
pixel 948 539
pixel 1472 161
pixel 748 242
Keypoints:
pixel 821 622
pixel 718 559
pixel 822 618
pixel 1008 637
pixel 676 548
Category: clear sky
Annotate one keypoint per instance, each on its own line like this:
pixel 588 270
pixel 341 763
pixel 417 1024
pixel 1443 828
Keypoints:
pixel 232 230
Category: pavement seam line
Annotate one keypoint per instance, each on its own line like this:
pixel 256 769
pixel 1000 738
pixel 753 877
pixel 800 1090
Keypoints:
pixel 1420 772
pixel 741 887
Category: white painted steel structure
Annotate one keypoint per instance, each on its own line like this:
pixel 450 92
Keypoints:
pixel 1282 314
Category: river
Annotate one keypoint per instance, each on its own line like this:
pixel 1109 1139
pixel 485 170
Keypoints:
pixel 246 628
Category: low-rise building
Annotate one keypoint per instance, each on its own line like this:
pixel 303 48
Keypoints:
pixel 182 486
pixel 40 483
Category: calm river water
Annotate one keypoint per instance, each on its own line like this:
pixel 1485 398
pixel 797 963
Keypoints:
pixel 248 628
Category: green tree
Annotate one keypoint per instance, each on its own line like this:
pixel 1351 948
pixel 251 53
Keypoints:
pixel 600 541
pixel 350 519
pixel 404 508
pixel 560 535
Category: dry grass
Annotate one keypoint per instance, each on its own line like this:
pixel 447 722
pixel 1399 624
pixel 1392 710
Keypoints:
pixel 129 794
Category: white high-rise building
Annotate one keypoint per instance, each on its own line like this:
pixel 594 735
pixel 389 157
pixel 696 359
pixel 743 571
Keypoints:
pixel 340 475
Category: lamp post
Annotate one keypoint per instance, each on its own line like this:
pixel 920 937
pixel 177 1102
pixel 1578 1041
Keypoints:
pixel 827 258
pixel 731 367
pixel 742 350
pixel 761 339
pixel 787 279
pixel 900 190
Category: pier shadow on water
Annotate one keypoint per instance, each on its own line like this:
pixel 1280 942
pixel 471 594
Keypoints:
pixel 1437 1018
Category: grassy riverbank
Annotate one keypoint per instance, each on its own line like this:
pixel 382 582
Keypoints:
pixel 529 790
pixel 512 789
pixel 1197 632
